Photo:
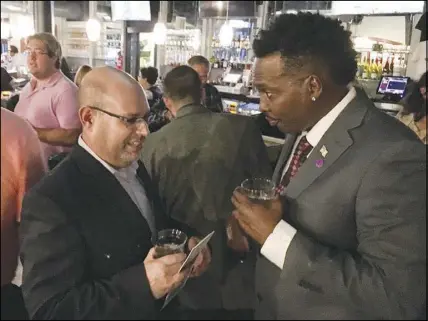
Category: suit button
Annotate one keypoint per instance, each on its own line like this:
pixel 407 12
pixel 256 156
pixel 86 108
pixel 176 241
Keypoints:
pixel 108 256
pixel 138 246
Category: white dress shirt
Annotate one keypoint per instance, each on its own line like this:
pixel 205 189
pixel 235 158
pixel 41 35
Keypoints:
pixel 129 180
pixel 276 245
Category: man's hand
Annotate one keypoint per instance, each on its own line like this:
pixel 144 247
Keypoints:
pixel 162 273
pixel 202 261
pixel 256 220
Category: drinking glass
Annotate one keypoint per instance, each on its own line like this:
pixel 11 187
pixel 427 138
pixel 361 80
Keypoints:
pixel 170 241
pixel 259 190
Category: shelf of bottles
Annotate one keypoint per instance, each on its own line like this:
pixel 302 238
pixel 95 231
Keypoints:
pixel 236 53
pixel 380 61
pixel 180 46
pixel 78 45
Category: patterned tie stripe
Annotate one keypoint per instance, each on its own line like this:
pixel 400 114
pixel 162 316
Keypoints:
pixel 300 154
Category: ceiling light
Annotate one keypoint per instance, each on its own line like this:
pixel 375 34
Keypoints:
pixel 159 33
pixel 93 29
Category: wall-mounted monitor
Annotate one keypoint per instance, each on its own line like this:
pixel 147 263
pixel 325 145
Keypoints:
pixel 131 10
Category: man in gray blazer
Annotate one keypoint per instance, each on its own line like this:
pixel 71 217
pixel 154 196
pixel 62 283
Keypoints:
pixel 196 162
pixel 348 238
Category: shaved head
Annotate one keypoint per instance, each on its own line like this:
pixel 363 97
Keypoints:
pixel 113 108
pixel 100 84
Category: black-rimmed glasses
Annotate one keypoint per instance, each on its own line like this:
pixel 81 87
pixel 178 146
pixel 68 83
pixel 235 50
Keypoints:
pixel 129 121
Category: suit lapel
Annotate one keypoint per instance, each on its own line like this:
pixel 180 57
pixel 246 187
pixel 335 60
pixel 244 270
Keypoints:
pixel 106 187
pixel 283 157
pixel 336 140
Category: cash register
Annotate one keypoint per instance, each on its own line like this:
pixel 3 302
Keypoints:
pixel 391 90
pixel 232 83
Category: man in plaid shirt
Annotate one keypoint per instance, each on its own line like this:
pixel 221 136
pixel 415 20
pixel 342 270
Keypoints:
pixel 159 115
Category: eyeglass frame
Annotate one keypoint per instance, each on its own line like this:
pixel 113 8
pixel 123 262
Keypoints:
pixel 128 121
pixel 38 52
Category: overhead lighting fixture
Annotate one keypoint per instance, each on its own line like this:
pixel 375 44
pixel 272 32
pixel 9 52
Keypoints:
pixel 159 33
pixel 278 13
pixel 93 29
pixel 226 31
pixel 219 5
pixel 291 12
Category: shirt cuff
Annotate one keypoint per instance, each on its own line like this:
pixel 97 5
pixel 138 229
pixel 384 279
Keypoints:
pixel 276 245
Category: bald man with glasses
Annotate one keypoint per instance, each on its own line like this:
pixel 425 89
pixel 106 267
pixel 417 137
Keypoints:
pixel 87 229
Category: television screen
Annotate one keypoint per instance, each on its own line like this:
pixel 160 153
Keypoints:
pixel 209 9
pixel 130 10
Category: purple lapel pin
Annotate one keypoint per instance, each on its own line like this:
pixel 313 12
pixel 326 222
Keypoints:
pixel 319 163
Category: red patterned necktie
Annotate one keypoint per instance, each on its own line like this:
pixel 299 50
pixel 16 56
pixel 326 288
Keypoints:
pixel 299 156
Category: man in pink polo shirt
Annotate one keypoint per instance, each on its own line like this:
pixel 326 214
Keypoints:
pixel 49 100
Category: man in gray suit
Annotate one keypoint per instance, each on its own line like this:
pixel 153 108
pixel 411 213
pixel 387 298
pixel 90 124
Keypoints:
pixel 347 240
pixel 197 161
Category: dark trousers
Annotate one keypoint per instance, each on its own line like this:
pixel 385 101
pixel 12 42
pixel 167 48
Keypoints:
pixel 12 303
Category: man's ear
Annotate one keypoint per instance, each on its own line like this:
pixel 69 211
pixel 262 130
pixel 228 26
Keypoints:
pixel 86 115
pixel 168 103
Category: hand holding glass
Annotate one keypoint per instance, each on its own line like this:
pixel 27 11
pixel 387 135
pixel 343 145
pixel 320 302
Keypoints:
pixel 170 241
pixel 259 190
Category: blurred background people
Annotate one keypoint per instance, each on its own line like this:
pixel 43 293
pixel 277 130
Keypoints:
pixel 414 112
pixel 49 100
pixel 16 60
pixel 196 161
pixel 81 73
pixel 6 80
pixel 65 69
pixel 22 166
pixel 147 79
pixel 211 98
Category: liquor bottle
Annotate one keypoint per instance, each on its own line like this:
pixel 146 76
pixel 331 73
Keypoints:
pixel 247 43
pixel 392 65
pixel 385 70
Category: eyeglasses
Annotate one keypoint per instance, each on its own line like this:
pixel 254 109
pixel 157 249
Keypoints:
pixel 37 52
pixel 128 121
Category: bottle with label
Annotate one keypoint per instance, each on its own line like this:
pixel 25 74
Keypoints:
pixel 385 70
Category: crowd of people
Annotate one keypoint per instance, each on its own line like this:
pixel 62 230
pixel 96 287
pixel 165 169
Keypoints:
pixel 344 237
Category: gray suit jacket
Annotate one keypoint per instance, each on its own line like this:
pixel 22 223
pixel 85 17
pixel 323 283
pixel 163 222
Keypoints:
pixel 360 247
pixel 196 162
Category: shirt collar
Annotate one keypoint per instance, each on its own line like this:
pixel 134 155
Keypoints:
pixel 320 128
pixel 51 81
pixel 125 173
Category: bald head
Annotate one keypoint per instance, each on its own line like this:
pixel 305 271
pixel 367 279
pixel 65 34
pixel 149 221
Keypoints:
pixel 105 85
pixel 113 110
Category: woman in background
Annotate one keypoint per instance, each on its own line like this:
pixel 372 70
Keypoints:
pixel 414 113
pixel 147 79
pixel 81 72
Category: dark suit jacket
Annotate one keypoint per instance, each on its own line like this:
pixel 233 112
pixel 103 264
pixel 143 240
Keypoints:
pixel 196 162
pixel 360 247
pixel 83 242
